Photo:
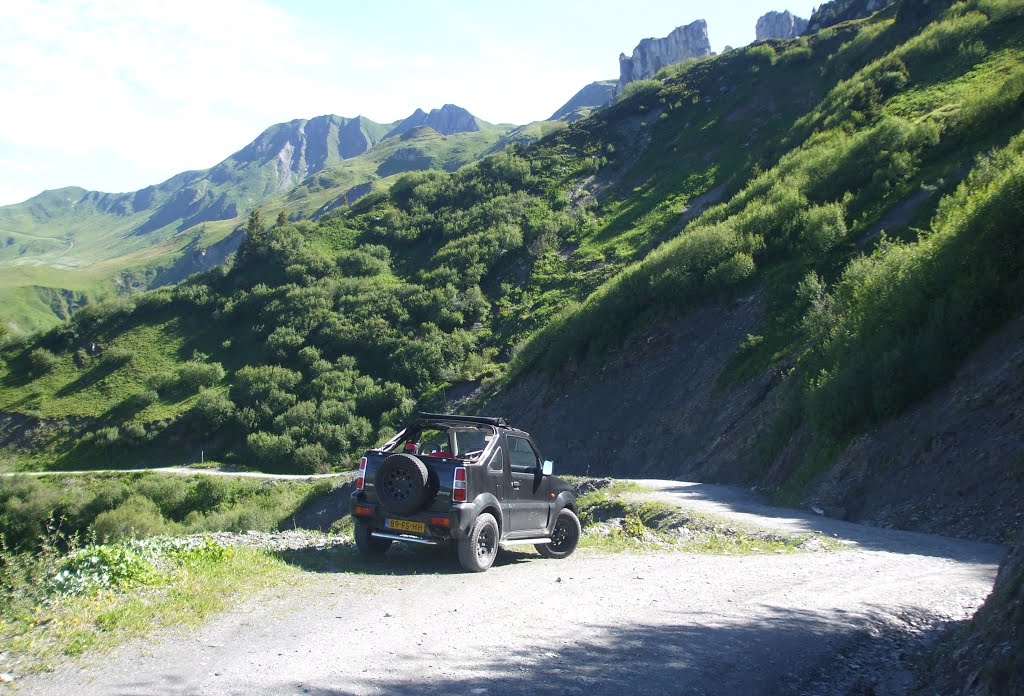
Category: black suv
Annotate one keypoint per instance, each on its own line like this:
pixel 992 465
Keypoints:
pixel 471 481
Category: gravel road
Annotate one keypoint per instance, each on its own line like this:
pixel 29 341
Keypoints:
pixel 660 623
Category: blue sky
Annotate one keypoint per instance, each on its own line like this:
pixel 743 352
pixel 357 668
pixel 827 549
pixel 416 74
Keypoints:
pixel 114 95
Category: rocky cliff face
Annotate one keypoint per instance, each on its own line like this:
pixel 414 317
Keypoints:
pixel 780 25
pixel 651 55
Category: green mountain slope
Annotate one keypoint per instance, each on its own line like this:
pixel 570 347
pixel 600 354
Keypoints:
pixel 100 244
pixel 770 171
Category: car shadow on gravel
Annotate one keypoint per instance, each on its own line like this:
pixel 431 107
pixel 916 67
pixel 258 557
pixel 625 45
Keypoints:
pixel 399 560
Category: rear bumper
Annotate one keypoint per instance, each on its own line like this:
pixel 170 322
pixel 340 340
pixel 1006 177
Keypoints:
pixel 438 526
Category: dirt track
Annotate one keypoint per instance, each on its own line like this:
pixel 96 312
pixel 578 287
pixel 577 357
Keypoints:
pixel 669 623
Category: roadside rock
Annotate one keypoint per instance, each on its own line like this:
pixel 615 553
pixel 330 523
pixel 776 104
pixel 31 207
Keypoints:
pixel 290 540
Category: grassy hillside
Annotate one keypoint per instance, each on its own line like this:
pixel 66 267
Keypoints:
pixel 100 245
pixel 867 178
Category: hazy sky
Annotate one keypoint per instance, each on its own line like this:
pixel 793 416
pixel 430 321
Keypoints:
pixel 114 95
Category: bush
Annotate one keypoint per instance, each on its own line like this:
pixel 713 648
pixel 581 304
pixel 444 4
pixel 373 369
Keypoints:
pixel 641 89
pixel 137 517
pixel 117 356
pixel 143 399
pixel 161 381
pixel 312 458
pixel 42 361
pixel 193 375
pixel 213 410
pixel 271 450
pixel 822 227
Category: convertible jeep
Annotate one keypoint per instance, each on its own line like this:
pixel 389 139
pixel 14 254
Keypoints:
pixel 470 481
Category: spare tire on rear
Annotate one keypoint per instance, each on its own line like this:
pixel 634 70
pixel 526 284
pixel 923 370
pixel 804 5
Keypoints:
pixel 401 483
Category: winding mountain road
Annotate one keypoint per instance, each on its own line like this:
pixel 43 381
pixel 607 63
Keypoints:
pixel 658 623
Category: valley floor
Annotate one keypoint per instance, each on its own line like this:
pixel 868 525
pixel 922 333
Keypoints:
pixel 823 623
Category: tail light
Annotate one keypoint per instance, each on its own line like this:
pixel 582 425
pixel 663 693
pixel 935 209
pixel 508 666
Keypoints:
pixel 459 485
pixel 362 474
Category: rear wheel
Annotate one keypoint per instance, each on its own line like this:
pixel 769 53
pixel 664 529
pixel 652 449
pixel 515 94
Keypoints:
pixel 478 550
pixel 368 544
pixel 565 536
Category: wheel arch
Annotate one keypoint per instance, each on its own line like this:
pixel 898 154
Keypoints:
pixel 486 502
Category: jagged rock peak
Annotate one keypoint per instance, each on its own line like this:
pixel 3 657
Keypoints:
pixel 447 120
pixel 780 25
pixel 651 55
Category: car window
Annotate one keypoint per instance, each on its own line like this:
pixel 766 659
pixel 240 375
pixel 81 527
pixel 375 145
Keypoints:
pixel 468 441
pixel 497 463
pixel 521 455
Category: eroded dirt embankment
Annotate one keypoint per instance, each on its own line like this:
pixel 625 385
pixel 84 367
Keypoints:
pixel 953 464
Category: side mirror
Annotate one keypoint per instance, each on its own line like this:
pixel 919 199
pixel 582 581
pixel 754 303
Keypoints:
pixel 549 467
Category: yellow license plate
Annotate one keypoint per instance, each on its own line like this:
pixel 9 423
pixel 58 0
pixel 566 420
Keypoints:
pixel 405 525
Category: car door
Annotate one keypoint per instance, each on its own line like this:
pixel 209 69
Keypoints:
pixel 528 502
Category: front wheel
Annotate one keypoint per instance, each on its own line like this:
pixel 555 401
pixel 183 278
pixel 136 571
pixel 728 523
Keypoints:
pixel 478 550
pixel 368 544
pixel 565 536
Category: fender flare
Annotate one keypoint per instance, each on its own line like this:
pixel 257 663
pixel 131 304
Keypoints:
pixel 486 501
pixel 564 500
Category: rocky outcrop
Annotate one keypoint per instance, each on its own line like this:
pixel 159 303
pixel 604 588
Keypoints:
pixel 651 55
pixel 780 25
pixel 843 11
pixel 446 120
pixel 593 96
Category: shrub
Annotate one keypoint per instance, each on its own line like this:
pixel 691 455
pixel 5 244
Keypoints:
pixel 42 361
pixel 208 493
pixel 134 433
pixel 161 381
pixel 271 450
pixel 193 375
pixel 169 493
pixel 143 399
pixel 822 227
pixel 137 516
pixel 117 356
pixel 640 89
pixel 106 438
pixel 358 263
pixel 267 390
pixel 213 410
pixel 312 458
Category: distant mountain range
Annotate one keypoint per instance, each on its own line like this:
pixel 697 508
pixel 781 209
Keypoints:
pixel 91 243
